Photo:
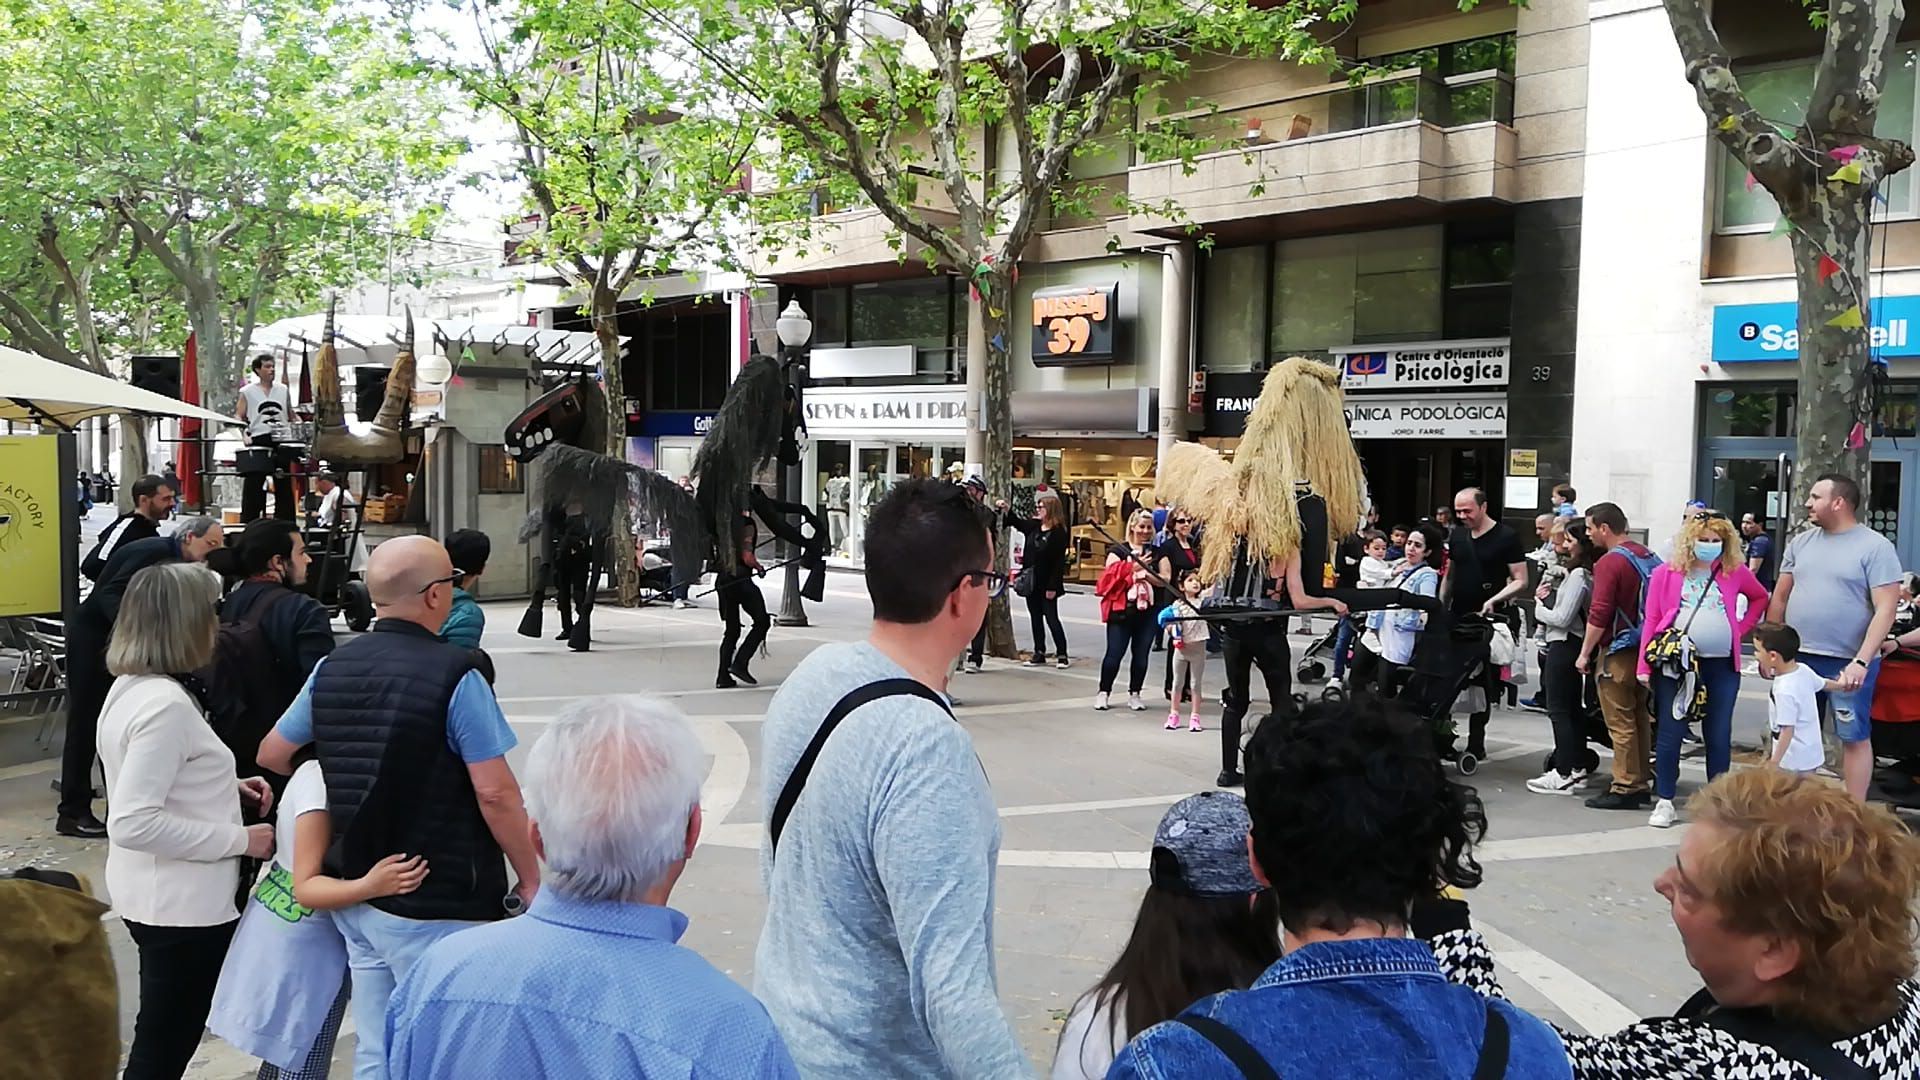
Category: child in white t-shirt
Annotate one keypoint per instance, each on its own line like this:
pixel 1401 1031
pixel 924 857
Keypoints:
pixel 1375 569
pixel 1793 712
pixel 283 988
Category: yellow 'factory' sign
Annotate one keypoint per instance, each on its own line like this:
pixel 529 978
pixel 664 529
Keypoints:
pixel 31 494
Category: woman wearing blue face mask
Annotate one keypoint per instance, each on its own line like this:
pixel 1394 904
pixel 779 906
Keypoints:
pixel 1698 594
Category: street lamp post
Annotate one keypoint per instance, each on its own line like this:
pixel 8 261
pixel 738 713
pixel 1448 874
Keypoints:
pixel 794 330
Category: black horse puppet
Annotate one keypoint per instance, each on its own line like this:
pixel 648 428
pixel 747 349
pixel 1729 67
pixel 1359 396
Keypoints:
pixel 580 488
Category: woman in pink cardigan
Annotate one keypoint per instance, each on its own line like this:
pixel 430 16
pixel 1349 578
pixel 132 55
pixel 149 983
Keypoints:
pixel 1700 592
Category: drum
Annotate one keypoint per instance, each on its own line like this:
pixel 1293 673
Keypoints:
pixel 254 460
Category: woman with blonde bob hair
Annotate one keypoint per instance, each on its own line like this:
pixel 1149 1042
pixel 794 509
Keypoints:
pixel 175 836
pixel 1698 593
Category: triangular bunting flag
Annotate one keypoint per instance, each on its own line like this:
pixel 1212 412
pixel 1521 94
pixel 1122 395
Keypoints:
pixel 1848 320
pixel 1844 154
pixel 1750 181
pixel 999 342
pixel 973 293
pixel 1827 268
pixel 1857 438
pixel 1728 123
pixel 1848 173
pixel 1782 227
pixel 1879 196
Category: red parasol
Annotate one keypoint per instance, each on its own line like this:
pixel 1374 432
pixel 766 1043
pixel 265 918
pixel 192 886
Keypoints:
pixel 189 452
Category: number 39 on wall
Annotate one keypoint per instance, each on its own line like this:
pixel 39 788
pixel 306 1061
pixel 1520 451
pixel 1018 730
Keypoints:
pixel 1068 335
pixel 1075 324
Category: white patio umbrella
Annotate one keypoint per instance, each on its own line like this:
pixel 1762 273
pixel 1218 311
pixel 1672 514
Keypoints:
pixel 36 390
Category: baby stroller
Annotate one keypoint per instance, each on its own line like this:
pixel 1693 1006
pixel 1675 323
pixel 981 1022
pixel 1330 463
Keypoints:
pixel 1896 727
pixel 1316 657
pixel 1449 656
pixel 656 573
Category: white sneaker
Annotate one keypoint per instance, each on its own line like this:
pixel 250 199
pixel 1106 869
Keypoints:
pixel 1663 815
pixel 1100 701
pixel 679 605
pixel 973 667
pixel 1134 703
pixel 1552 783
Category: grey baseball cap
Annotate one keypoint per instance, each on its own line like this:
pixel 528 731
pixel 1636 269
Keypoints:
pixel 1200 847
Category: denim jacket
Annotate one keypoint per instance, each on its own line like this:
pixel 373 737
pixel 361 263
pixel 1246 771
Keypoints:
pixel 1378 1008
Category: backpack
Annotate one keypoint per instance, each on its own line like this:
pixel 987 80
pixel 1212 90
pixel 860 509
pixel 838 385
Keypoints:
pixel 247 688
pixel 1628 636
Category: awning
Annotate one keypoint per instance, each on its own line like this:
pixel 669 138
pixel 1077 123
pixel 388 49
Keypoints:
pixel 36 390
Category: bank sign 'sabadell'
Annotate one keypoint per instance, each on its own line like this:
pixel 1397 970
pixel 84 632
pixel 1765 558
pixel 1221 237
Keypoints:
pixel 1076 324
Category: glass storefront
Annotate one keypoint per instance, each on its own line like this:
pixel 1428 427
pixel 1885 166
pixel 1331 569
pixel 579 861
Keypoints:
pixel 850 475
pixel 1747 452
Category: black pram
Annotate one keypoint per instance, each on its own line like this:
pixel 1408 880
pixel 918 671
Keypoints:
pixel 1449 656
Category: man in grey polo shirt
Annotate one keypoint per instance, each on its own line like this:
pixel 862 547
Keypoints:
pixel 1839 585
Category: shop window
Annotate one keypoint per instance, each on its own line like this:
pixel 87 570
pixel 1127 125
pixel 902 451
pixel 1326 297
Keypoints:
pixel 1751 412
pixel 1232 302
pixel 1780 92
pixel 829 313
pixel 687 357
pixel 1479 297
pixel 499 473
pixel 1445 67
pixel 1357 289
pixel 915 312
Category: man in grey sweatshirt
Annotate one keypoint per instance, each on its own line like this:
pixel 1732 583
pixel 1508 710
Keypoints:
pixel 877 955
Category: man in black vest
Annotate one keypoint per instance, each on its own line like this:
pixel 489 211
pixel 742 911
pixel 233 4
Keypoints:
pixel 87 677
pixel 413 746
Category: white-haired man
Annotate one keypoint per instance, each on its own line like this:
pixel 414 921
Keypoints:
pixel 590 981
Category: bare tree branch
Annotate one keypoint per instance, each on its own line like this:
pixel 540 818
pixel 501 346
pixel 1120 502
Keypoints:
pixel 1853 64
pixel 29 331
pixel 1767 154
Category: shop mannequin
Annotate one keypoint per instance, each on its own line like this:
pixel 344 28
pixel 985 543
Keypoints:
pixel 837 490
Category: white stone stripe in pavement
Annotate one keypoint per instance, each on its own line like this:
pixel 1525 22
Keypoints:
pixel 1584 1003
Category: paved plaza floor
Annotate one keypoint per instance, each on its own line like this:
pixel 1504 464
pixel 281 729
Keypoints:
pixel 1568 903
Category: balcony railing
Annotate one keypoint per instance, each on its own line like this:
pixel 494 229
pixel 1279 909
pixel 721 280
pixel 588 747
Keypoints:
pixel 1396 98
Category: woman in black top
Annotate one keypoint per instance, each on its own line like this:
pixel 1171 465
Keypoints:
pixel 1180 552
pixel 1046 555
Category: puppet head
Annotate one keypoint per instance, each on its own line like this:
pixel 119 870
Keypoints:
pixel 1296 433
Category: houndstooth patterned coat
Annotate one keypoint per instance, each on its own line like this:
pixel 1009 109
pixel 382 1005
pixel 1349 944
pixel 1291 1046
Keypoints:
pixel 1672 1049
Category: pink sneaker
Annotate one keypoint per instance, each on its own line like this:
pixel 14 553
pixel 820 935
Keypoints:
pixel 1173 721
pixel 1193 723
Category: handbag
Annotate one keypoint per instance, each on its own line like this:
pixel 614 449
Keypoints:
pixel 1670 653
pixel 1023 582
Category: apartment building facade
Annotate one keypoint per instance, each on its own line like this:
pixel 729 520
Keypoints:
pixel 1420 229
pixel 1686 345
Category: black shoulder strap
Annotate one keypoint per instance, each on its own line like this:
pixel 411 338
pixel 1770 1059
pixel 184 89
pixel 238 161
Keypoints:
pixel 1791 1042
pixel 1494 1047
pixel 1228 1042
pixel 797 780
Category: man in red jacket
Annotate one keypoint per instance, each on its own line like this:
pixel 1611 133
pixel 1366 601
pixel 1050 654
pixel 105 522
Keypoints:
pixel 1613 635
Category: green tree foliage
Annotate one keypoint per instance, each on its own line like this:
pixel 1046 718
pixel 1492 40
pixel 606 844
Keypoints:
pixel 632 163
pixel 167 164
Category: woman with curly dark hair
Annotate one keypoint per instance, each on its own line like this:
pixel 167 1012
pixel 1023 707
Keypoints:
pixel 1357 829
